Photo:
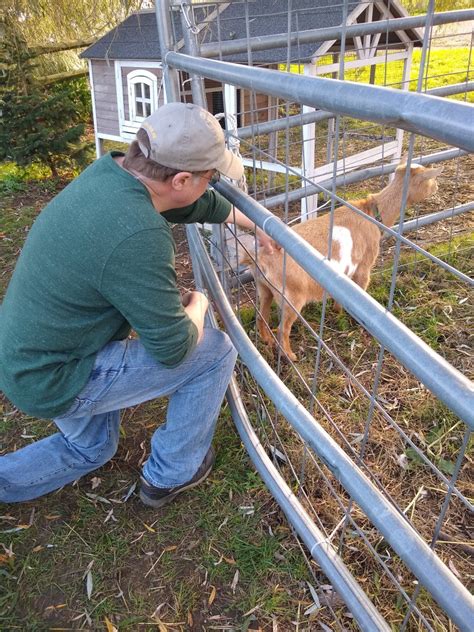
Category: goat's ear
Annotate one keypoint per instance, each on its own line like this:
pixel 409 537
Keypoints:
pixel 432 173
pixel 403 160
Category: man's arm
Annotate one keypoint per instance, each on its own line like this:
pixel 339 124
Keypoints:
pixel 139 281
pixel 237 217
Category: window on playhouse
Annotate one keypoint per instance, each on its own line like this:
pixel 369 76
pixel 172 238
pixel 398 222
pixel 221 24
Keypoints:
pixel 142 94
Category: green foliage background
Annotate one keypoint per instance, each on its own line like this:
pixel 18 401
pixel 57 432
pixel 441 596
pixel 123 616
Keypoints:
pixel 45 128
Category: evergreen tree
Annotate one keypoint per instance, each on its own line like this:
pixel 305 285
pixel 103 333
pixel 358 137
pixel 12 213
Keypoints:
pixel 39 126
pixel 36 123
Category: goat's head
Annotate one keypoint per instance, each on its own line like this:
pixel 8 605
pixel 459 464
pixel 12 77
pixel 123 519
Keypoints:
pixel 422 183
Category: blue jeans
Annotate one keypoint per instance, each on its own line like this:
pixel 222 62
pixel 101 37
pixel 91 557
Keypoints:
pixel 125 374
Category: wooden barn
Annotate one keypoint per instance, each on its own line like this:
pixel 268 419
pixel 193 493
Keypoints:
pixel 125 65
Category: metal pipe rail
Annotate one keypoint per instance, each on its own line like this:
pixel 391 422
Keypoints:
pixel 355 176
pixel 414 224
pixel 335 32
pixel 455 88
pixel 426 220
pixel 296 120
pixel 448 384
pixel 447 590
pixel 249 131
pixel 411 111
pixel 165 36
pixel 320 549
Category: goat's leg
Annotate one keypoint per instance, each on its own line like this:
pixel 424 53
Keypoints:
pixel 288 317
pixel 337 308
pixel 362 276
pixel 263 315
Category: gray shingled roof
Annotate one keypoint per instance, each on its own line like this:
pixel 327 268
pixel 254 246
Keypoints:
pixel 137 36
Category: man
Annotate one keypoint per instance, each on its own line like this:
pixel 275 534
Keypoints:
pixel 98 262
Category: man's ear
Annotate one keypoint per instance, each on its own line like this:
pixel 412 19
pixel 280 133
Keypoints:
pixel 180 180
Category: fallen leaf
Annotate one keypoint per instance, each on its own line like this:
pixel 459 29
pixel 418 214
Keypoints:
pixel 110 626
pixel 248 510
pixel 149 528
pixel 190 619
pixel 129 493
pixel 161 626
pixel 20 527
pixel 89 584
pixel 99 498
pixel 212 596
pixel 330 597
pixel 57 607
pixel 246 614
pixel 312 609
pixel 454 569
pixel 223 523
pixel 95 482
pixel 235 581
pixel 109 516
pixel 402 461
pixel 157 611
pixel 316 605
pixel 278 454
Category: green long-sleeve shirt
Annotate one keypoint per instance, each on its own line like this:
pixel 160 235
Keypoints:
pixel 98 260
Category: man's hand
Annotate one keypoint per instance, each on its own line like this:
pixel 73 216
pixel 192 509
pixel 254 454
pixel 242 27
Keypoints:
pixel 266 242
pixel 197 298
pixel 195 305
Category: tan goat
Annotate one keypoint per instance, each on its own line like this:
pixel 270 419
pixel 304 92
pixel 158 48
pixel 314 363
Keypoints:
pixel 355 247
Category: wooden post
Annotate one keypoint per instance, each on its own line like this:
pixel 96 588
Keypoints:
pixel 309 153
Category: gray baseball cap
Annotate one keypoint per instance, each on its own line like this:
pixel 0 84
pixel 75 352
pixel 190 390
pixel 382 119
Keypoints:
pixel 186 137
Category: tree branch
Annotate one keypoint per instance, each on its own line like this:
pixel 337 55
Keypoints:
pixel 35 51
pixel 60 76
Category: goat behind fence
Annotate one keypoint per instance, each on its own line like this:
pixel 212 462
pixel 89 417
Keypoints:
pixel 353 247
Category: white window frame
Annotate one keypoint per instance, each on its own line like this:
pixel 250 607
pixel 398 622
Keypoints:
pixel 141 77
pixel 127 127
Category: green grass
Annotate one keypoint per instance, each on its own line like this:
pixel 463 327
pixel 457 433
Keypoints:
pixel 35 171
pixel 424 296
pixel 15 178
pixel 444 66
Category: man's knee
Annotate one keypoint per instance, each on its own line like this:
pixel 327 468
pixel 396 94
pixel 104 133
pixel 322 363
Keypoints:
pixel 98 454
pixel 220 342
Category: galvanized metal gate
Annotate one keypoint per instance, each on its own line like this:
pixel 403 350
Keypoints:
pixel 370 515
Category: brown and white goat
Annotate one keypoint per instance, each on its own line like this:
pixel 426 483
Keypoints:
pixel 355 247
